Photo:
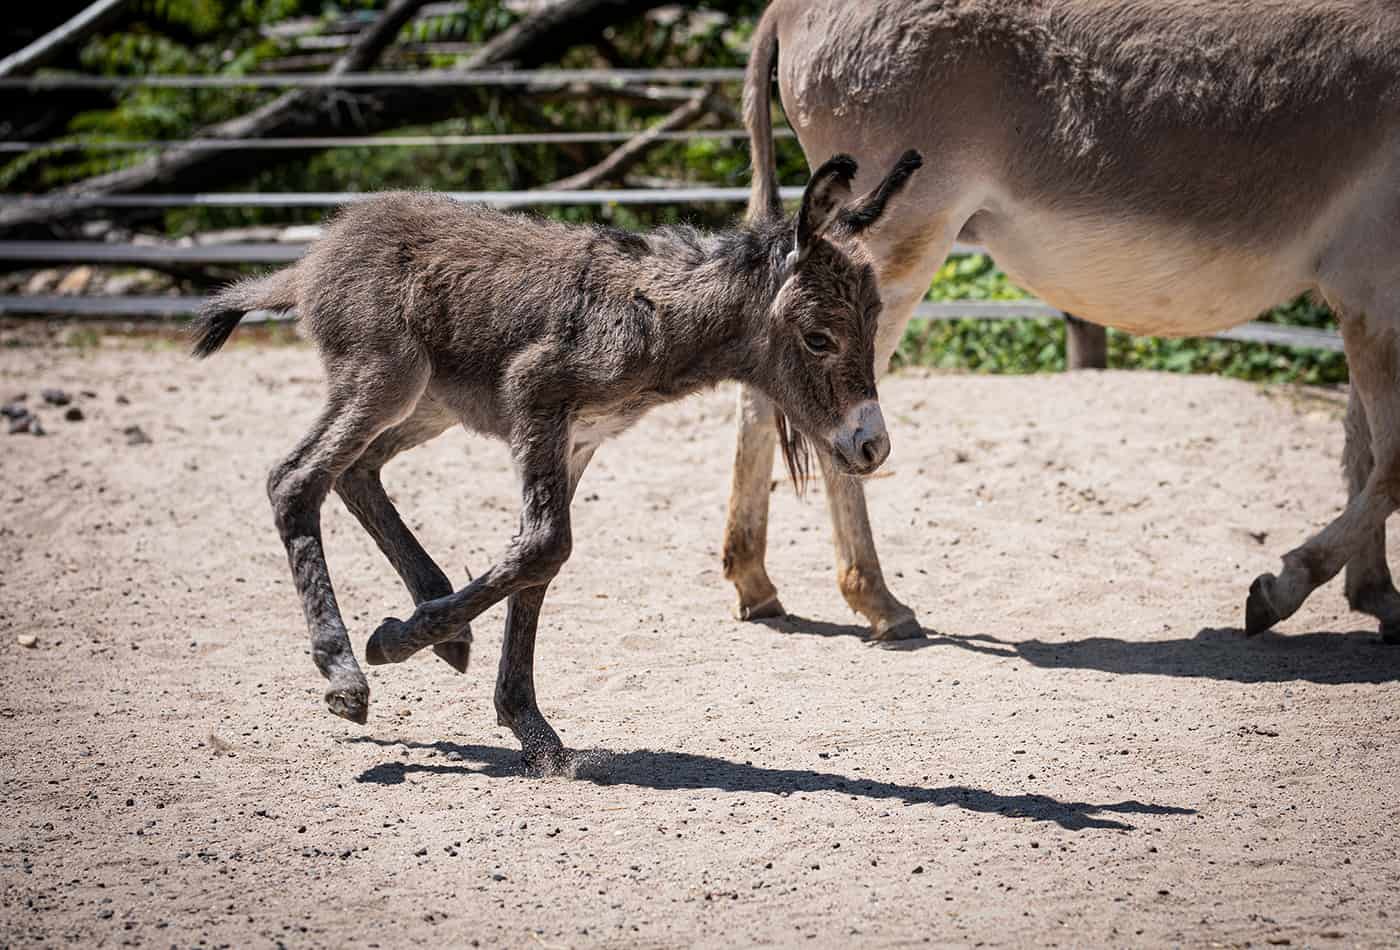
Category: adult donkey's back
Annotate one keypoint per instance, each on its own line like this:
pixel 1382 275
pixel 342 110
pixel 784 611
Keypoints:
pixel 1168 168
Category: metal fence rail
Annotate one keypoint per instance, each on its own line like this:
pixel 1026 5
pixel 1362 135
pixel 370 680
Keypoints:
pixel 508 78
pixel 166 308
pixel 334 199
pixel 387 141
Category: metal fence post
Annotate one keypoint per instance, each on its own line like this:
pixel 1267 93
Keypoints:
pixel 1086 344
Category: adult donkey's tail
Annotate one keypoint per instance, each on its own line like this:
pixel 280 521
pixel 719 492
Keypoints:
pixel 764 199
pixel 216 321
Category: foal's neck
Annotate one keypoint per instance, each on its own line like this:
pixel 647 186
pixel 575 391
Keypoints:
pixel 713 295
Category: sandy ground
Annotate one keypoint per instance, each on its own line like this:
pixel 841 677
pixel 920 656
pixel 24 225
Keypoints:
pixel 1084 751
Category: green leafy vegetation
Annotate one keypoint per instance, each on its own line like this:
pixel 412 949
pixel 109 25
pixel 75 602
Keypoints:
pixel 1038 346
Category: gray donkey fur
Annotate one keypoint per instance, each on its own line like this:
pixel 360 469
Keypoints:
pixel 551 338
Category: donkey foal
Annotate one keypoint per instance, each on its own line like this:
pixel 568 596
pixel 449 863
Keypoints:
pixel 552 338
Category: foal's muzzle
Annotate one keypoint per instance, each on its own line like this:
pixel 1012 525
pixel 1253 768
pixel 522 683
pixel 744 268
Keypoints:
pixel 861 443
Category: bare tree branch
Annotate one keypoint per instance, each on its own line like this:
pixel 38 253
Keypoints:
pixel 621 159
pixel 45 48
pixel 260 122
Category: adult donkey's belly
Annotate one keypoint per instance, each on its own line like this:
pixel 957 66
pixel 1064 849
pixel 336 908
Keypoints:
pixel 1140 277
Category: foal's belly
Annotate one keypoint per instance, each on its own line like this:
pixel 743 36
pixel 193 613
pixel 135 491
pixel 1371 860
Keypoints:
pixel 1145 279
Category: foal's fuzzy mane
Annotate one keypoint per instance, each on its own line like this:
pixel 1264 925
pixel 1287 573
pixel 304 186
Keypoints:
pixel 797 453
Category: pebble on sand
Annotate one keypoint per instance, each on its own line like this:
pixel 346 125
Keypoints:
pixel 55 397
pixel 26 423
pixel 27 640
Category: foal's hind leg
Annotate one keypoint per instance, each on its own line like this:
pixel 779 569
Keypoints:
pixel 1357 536
pixel 1369 587
pixel 363 493
pixel 357 410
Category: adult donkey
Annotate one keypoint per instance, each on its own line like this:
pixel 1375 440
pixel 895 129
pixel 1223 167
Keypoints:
pixel 1170 167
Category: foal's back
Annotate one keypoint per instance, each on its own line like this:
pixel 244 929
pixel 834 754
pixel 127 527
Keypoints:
pixel 463 278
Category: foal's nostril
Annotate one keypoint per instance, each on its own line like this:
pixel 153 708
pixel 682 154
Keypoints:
pixel 868 450
pixel 872 449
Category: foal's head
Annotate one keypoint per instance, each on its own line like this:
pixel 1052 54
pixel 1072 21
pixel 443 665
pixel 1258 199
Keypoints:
pixel 821 326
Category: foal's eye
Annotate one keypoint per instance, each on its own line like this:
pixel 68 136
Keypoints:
pixel 819 343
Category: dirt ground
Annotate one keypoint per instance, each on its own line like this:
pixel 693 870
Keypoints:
pixel 1085 751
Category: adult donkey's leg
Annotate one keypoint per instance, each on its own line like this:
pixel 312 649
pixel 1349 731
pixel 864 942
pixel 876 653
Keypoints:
pixel 908 259
pixel 363 493
pixel 858 572
pixel 746 528
pixel 1374 362
pixel 1369 586
pixel 358 408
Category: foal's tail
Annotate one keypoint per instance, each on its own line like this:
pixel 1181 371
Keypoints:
pixel 216 321
pixel 764 199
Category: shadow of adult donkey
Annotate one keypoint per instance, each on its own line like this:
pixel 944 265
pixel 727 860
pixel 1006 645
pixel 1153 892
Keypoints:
pixel 1168 168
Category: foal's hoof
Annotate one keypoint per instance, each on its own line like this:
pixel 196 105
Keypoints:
pixel 549 762
pixel 770 609
pixel 1390 634
pixel 383 643
pixel 455 653
pixel 349 702
pixel 1259 612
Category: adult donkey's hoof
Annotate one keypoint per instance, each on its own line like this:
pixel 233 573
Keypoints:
pixel 1259 612
pixel 900 628
pixel 349 701
pixel 455 653
pixel 770 609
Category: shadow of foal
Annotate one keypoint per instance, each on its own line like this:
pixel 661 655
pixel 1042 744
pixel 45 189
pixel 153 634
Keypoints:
pixel 680 771
pixel 1220 654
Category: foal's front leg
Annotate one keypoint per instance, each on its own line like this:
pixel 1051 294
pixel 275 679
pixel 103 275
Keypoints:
pixel 516 708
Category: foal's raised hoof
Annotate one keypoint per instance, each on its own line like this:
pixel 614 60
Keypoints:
pixel 1259 612
pixel 384 644
pixel 349 701
pixel 455 653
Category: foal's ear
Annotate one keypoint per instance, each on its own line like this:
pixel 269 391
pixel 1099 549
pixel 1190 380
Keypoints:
pixel 870 208
pixel 822 203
